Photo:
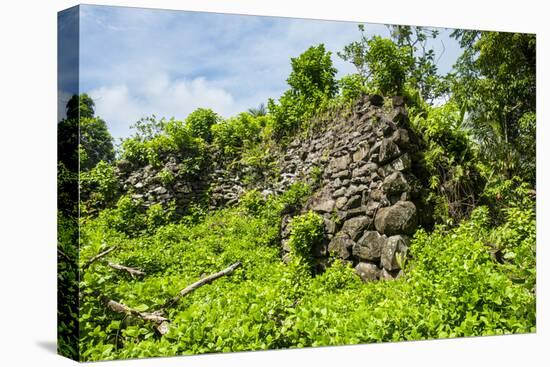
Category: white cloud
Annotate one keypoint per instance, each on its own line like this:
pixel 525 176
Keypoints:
pixel 169 63
pixel 121 105
pixel 142 61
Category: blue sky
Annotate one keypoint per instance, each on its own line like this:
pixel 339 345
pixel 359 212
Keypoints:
pixel 137 62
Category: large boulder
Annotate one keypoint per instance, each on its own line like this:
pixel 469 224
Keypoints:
pixel 361 171
pixel 340 192
pixel 372 207
pixel 368 272
pixel 394 247
pixel 353 202
pixel 341 246
pixel 399 218
pixel 369 246
pixel 324 206
pixel 361 153
pixel 355 189
pixel 341 174
pixel 341 202
pixel 330 225
pixel 388 151
pixel 340 163
pixel 354 227
pixel 395 183
pixel 401 163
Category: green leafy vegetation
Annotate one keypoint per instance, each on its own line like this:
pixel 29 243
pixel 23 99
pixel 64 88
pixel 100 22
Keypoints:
pixel 238 133
pixel 312 83
pixel 496 81
pixel 386 63
pixel 473 272
pixel 200 121
pixel 306 232
pixel 99 186
pixel 452 285
pixel 156 140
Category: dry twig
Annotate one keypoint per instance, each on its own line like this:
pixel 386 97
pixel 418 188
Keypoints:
pixel 97 257
pixel 161 323
pixel 132 271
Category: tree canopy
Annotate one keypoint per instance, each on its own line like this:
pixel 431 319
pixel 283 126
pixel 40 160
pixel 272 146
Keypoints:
pixel 312 82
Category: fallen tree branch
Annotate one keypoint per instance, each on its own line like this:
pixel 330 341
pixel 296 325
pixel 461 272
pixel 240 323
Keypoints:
pixel 132 271
pixel 164 326
pixel 155 317
pixel 161 323
pixel 97 257
pixel 206 280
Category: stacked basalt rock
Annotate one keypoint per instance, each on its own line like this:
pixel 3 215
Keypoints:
pixel 361 166
pixel 145 185
pixel 368 192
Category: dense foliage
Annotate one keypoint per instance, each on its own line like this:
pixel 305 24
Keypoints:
pixel 238 133
pixel 156 140
pixel 452 286
pixel 382 61
pixel 496 82
pixel 472 273
pixel 312 83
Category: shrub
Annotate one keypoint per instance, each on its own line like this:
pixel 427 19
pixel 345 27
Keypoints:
pixel 154 141
pixel 100 185
pixel 312 84
pixel 134 151
pixel 306 232
pixel 200 122
pixel 384 65
pixel 195 213
pixel 151 152
pixel 234 134
pixel 352 86
pixel 126 217
pixel 448 156
pixel 158 215
pixel 501 194
pixel 292 199
pixel 252 202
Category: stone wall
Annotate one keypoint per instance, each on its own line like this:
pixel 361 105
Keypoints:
pixel 369 194
pixel 364 162
pixel 145 184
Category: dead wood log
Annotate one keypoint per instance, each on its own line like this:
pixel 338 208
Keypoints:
pixel 161 323
pixel 132 271
pixel 164 326
pixel 97 257
pixel 154 317
pixel 206 280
